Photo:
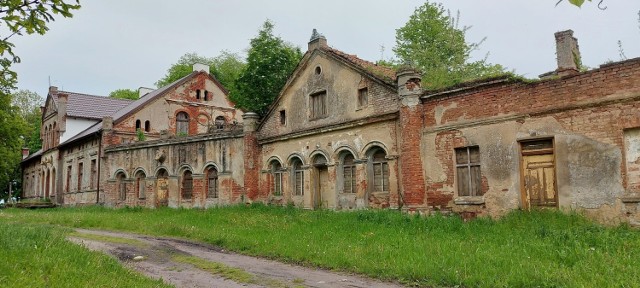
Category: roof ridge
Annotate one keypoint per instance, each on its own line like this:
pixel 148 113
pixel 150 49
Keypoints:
pixel 96 96
pixel 382 71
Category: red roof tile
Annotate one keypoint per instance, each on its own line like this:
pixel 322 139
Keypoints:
pixel 383 73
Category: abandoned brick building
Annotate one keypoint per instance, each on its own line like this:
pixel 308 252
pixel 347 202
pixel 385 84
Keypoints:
pixel 345 134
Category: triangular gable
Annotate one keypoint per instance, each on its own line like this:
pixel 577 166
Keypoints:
pixel 50 106
pixel 382 75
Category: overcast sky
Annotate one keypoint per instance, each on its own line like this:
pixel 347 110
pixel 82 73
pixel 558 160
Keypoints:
pixel 115 44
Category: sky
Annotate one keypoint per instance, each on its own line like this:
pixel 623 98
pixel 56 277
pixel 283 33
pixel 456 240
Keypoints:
pixel 116 44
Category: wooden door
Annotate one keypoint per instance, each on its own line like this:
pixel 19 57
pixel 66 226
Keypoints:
pixel 162 192
pixel 324 191
pixel 538 176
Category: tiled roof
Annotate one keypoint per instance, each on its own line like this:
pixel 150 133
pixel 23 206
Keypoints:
pixel 32 155
pixel 383 73
pixel 91 106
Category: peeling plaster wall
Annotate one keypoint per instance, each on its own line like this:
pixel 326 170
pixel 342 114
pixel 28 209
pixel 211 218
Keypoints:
pixel 82 152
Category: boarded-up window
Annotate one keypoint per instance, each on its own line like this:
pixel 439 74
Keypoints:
pixel 187 185
pixel 276 175
pixel 182 124
pixel 122 187
pixel 318 104
pixel 468 171
pixel 349 174
pixel 140 184
pixel 298 178
pixel 380 172
pixel 212 183
pixel 80 175
pixel 363 97
pixel 94 174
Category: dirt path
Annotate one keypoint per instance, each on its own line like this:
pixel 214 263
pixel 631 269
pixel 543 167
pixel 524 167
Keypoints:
pixel 190 264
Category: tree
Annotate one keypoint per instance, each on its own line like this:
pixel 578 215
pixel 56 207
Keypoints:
pixel 19 17
pixel 226 67
pixel 432 41
pixel 125 94
pixel 270 61
pixel 28 104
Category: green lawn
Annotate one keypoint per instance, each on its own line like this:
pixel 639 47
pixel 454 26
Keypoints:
pixel 542 249
pixel 34 255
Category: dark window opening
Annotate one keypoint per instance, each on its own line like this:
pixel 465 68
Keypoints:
pixel 206 95
pixel 147 126
pixel 80 174
pixel 318 70
pixel 137 124
pixel 283 117
pixel 220 122
pixel 198 94
pixel 187 185
pixel 212 183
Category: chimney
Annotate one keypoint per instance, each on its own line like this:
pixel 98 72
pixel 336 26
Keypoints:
pixel 107 123
pixel 25 153
pixel 409 82
pixel 144 91
pixel 62 112
pixel 568 53
pixel 53 89
pixel 201 67
pixel 317 40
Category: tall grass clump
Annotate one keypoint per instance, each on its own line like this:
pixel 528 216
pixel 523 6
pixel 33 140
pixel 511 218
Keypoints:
pixel 40 256
pixel 522 249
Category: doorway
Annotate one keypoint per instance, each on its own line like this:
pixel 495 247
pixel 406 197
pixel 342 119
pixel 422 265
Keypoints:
pixel 322 195
pixel 162 189
pixel 538 175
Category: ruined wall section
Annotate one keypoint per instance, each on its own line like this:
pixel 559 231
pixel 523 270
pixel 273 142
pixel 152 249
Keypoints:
pixel 586 115
pixel 78 172
pixel 188 97
pixel 197 154
pixel 341 84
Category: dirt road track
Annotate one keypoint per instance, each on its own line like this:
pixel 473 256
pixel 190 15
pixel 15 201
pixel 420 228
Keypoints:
pixel 159 261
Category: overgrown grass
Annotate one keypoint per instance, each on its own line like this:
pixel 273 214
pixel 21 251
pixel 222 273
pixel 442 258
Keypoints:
pixel 39 256
pixel 545 248
pixel 109 239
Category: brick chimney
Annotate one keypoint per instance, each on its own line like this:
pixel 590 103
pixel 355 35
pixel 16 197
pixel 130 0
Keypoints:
pixel 568 53
pixel 25 153
pixel 62 112
pixel 317 40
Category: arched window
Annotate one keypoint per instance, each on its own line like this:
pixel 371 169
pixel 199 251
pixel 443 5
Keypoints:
pixel 220 122
pixel 138 124
pixel 55 134
pixel 276 175
pixel 122 187
pixel 147 126
pixel 46 138
pixel 198 94
pixel 380 170
pixel 212 183
pixel 182 123
pixel 140 184
pixel 206 95
pixel 298 177
pixel 187 185
pixel 348 174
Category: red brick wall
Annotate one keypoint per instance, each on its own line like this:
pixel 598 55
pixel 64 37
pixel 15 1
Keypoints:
pixel 252 153
pixel 412 183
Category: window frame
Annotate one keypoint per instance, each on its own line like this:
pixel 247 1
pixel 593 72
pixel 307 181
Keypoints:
pixel 468 166
pixel 182 124
pixel 314 112
pixel 363 101
pixel 186 191
pixel 276 176
pixel 212 193
pixel 298 177
pixel 351 167
pixel 382 177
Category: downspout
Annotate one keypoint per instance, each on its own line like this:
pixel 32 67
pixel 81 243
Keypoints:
pixel 99 165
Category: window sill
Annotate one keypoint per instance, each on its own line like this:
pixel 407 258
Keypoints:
pixel 469 200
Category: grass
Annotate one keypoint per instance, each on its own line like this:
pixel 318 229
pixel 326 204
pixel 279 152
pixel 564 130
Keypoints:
pixel 36 255
pixel 110 239
pixel 226 272
pixel 544 248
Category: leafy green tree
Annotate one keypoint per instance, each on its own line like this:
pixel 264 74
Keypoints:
pixel 270 61
pixel 226 67
pixel 432 41
pixel 28 104
pixel 19 17
pixel 125 94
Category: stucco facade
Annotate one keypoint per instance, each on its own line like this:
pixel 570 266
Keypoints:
pixel 347 134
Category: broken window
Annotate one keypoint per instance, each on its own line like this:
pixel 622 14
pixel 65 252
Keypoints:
pixel 140 184
pixel 468 171
pixel 212 183
pixel 198 94
pixel 348 174
pixel 182 123
pixel 298 177
pixel 363 97
pixel 220 122
pixel 283 117
pixel 80 174
pixel 122 187
pixel 380 171
pixel 187 185
pixel 276 175
pixel 318 104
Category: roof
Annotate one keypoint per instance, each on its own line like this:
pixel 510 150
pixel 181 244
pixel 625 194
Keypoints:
pixel 383 73
pixel 90 106
pixel 32 155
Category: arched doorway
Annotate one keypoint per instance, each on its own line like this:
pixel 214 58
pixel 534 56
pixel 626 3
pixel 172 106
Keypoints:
pixel 162 188
pixel 322 196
